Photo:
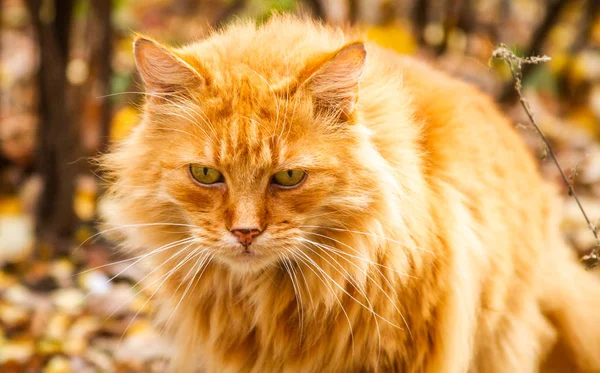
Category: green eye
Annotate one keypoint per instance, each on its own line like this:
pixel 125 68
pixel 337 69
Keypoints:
pixel 205 175
pixel 289 178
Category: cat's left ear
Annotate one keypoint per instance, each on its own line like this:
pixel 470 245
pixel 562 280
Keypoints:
pixel 333 81
pixel 162 70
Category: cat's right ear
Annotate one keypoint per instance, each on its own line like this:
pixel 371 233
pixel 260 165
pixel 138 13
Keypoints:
pixel 333 80
pixel 162 70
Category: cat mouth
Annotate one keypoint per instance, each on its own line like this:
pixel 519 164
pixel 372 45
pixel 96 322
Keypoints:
pixel 247 259
pixel 246 254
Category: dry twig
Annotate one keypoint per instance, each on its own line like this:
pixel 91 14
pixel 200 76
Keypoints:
pixel 516 63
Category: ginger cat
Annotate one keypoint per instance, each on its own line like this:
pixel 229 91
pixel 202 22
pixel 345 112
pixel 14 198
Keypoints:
pixel 308 203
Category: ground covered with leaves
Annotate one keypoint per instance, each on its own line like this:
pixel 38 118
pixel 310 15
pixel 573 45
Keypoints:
pixel 56 318
pixel 85 310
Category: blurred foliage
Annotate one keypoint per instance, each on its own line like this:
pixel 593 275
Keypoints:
pixel 393 36
pixel 123 122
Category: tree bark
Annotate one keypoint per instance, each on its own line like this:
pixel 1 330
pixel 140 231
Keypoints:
pixel 575 94
pixel 353 11
pixel 1 98
pixel 419 15
pixel 317 8
pixel 450 23
pixel 101 56
pixel 235 7
pixel 57 135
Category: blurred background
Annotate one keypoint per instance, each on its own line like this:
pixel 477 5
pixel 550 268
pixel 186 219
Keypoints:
pixel 68 87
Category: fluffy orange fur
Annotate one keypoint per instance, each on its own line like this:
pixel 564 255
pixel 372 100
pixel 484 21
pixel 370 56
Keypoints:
pixel 423 238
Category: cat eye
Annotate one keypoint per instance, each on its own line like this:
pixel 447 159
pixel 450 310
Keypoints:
pixel 205 175
pixel 289 178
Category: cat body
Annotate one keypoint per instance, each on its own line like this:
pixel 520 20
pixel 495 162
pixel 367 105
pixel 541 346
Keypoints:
pixel 421 237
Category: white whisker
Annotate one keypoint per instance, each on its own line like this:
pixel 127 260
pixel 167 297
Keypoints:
pixel 155 251
pixel 132 226
pixel 200 264
pixel 150 284
pixel 338 252
pixel 360 255
pixel 307 261
pixel 142 257
pixel 368 234
pixel 190 256
pixel 287 265
pixel 352 282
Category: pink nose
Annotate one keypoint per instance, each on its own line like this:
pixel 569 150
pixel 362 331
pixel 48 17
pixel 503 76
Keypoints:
pixel 245 236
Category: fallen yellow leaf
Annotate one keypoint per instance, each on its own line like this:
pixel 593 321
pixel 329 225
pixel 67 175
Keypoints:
pixel 58 364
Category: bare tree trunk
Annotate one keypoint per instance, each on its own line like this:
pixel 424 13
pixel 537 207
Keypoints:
pixel 317 8
pixel 1 98
pixel 101 56
pixel 419 15
pixel 466 17
pixel 57 135
pixel 233 8
pixel 573 94
pixel 3 111
pixel 498 28
pixel 450 23
pixel 353 11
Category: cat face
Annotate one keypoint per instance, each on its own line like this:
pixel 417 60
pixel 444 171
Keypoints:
pixel 251 168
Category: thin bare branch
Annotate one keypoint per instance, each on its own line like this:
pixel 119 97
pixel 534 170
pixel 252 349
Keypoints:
pixel 516 63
